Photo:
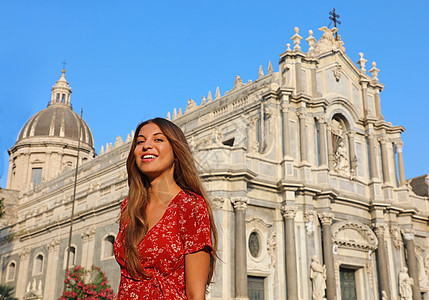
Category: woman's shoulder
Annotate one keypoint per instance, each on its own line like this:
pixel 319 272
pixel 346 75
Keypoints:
pixel 124 203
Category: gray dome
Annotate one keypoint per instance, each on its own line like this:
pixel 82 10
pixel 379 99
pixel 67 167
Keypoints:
pixel 56 121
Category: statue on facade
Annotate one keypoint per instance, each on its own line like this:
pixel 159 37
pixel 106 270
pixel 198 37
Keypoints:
pixel 341 160
pixel 384 295
pixel 318 276
pixel 405 283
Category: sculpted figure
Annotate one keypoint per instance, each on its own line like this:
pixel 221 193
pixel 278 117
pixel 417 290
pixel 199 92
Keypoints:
pixel 318 276
pixel 405 283
pixel 341 159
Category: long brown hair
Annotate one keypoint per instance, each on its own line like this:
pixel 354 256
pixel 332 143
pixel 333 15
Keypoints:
pixel 186 177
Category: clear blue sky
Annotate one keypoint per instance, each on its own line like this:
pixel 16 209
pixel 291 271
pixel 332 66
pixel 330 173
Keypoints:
pixel 132 60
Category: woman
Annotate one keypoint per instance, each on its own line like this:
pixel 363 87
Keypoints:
pixel 167 239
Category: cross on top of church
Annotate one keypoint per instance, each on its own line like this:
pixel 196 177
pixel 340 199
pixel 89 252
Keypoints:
pixel 64 66
pixel 334 17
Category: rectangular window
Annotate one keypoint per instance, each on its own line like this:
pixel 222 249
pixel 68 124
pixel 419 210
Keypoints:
pixel 36 177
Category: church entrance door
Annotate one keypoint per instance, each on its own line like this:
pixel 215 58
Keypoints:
pixel 255 286
pixel 348 284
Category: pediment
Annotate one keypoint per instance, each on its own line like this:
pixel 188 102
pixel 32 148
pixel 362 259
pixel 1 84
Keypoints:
pixel 354 235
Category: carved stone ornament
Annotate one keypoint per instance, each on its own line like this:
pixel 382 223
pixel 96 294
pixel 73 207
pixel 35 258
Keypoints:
pixel 310 222
pixel 395 234
pixel 217 202
pixel 337 72
pixel 53 245
pixel 289 211
pixel 88 234
pixel 326 218
pixel 25 253
pixel 271 248
pixel 408 234
pixel 353 234
pixel 239 202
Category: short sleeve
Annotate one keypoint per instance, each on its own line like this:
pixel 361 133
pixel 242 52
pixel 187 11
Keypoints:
pixel 195 224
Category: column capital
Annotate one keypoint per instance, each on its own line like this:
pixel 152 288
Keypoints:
pixel 326 218
pixel 408 234
pixel 289 211
pixel 284 106
pixel 301 115
pixel 378 228
pixel 24 253
pixel 88 234
pixel 217 202
pixel 382 140
pixel 239 203
pixel 53 245
pixel 351 134
pixel 399 146
pixel 321 119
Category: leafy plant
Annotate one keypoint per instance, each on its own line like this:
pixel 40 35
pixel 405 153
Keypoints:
pixel 86 284
pixel 6 292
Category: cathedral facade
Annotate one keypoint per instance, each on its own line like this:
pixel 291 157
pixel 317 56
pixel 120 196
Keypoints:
pixel 305 176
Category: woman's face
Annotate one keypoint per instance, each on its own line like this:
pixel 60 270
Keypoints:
pixel 154 154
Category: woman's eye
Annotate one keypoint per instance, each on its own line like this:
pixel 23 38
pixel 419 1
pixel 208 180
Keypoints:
pixel 159 140
pixel 139 142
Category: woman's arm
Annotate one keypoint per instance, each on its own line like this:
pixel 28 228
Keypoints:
pixel 196 272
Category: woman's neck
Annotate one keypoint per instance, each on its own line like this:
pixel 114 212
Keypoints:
pixel 163 189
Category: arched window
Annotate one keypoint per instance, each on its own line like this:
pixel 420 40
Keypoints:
pixel 107 250
pixel 63 98
pixel 72 258
pixel 58 97
pixel 38 265
pixel 11 269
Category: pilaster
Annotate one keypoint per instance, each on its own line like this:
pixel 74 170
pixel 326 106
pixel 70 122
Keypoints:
pixel 88 247
pixel 51 269
pixel 379 230
pixel 24 259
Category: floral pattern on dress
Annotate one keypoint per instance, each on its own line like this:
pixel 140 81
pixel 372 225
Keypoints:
pixel 184 228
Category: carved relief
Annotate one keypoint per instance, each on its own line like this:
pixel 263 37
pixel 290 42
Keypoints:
pixel 395 234
pixel 271 248
pixel 355 235
pixel 310 222
pixel 240 136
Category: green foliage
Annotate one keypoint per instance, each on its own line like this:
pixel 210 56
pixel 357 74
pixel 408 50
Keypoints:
pixel 6 292
pixel 87 284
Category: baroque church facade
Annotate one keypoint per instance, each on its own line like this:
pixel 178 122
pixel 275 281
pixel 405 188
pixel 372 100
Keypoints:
pixel 305 176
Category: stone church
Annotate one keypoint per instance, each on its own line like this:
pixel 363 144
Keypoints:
pixel 305 176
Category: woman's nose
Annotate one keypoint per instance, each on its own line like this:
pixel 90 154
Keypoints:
pixel 147 145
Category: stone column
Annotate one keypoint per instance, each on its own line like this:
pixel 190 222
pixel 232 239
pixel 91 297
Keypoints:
pixel 88 247
pixel 373 165
pixel 400 163
pixel 303 136
pixel 286 133
pixel 365 97
pixel 51 270
pixel 352 152
pixel 240 204
pixel 24 259
pixel 384 285
pixel 326 220
pixel 289 213
pixel 331 157
pixel 412 262
pixel 322 140
pixel 385 160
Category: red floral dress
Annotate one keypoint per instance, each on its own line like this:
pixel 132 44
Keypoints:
pixel 184 228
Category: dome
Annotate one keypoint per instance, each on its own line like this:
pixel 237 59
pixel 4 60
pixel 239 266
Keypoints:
pixel 56 121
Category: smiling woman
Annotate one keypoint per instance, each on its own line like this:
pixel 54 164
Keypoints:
pixel 167 241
